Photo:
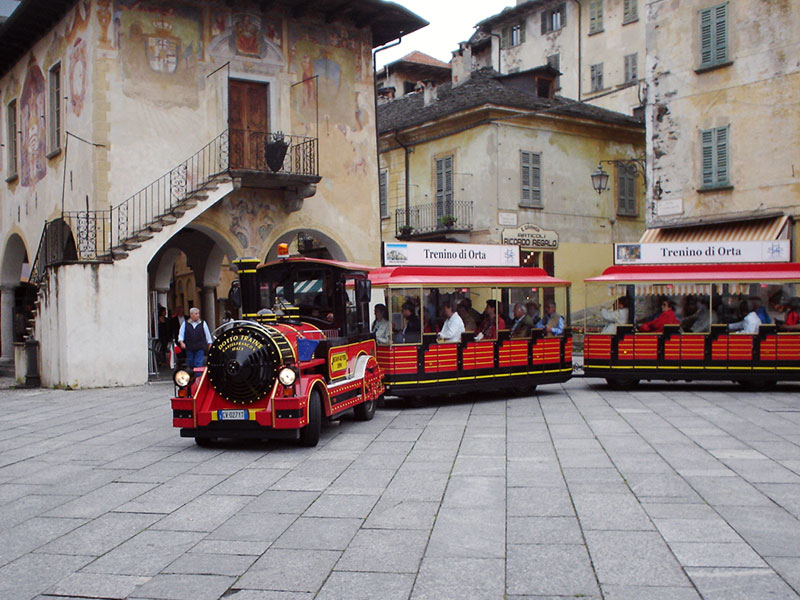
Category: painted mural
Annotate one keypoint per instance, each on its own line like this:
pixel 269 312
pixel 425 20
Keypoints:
pixel 160 45
pixel 33 165
pixel 248 217
pixel 77 72
pixel 252 42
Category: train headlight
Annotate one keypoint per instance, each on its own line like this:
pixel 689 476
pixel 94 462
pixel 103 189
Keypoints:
pixel 182 378
pixel 287 376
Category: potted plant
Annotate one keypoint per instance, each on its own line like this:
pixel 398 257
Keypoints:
pixel 405 229
pixel 275 151
pixel 448 221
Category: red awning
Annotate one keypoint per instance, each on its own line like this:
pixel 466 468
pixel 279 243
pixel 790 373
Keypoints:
pixel 463 276
pixel 752 272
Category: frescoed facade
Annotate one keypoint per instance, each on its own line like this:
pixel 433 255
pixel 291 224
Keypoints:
pixel 143 131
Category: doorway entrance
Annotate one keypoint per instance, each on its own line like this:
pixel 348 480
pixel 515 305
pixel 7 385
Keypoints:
pixel 248 122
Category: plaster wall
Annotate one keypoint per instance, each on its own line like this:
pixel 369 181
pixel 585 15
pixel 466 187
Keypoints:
pixel 757 96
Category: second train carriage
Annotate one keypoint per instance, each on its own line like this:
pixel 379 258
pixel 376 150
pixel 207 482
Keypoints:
pixel 694 322
pixel 490 356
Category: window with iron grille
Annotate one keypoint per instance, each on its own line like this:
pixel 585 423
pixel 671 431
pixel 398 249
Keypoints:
pixel 530 179
pixel 597 77
pixel 383 188
pixel 54 109
pixel 716 157
pixel 626 190
pixel 714 46
pixel 595 16
pixel 444 186
pixel 630 12
pixel 631 68
pixel 11 138
pixel 554 19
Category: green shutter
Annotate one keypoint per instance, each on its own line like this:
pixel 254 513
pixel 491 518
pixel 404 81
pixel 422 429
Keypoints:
pixel 723 165
pixel 630 11
pixel 720 34
pixel 562 9
pixel 382 193
pixel 544 22
pixel 522 32
pixel 706 53
pixel 596 16
pixel 505 39
pixel 530 179
pixel 536 179
pixel 707 141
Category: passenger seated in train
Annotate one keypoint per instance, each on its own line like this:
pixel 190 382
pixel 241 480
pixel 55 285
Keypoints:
pixel 750 320
pixel 696 317
pixel 491 322
pixel 411 331
pixel 469 322
pixel 758 307
pixel 667 316
pixel 523 326
pixel 791 320
pixel 453 326
pixel 619 315
pixel 551 322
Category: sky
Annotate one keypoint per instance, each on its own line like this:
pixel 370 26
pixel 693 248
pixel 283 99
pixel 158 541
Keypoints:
pixel 451 21
pixel 6 6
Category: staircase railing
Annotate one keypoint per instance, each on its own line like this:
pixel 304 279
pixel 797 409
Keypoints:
pixel 90 235
pixel 168 191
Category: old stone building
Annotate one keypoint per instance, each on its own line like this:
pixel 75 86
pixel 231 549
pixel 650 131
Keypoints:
pixel 722 118
pixel 597 45
pixel 497 158
pixel 406 75
pixel 137 130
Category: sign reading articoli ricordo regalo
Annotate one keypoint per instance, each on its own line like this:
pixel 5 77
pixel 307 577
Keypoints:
pixel 423 254
pixel 702 252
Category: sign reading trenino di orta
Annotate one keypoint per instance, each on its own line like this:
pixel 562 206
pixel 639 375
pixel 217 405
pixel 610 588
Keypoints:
pixel 443 254
pixel 702 252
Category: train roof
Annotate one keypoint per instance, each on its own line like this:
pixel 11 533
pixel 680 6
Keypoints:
pixel 466 276
pixel 304 260
pixel 755 272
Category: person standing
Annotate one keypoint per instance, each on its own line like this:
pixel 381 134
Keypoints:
pixel 194 339
pixel 176 323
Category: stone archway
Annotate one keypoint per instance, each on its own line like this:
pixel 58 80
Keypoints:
pixel 15 255
pixel 323 246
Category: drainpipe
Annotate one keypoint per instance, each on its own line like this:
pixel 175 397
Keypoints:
pixel 407 183
pixel 580 71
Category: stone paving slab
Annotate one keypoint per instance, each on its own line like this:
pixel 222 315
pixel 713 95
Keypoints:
pixel 665 492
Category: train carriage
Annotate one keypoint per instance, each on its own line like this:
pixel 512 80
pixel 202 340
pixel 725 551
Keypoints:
pixel 302 354
pixel 714 334
pixel 424 364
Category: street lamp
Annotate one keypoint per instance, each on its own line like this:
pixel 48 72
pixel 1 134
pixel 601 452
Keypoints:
pixel 600 176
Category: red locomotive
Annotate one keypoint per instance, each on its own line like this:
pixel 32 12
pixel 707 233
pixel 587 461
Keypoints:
pixel 302 354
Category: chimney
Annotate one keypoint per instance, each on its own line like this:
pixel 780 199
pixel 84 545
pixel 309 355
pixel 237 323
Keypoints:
pixel 461 65
pixel 429 92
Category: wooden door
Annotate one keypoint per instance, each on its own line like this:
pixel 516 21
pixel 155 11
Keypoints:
pixel 248 121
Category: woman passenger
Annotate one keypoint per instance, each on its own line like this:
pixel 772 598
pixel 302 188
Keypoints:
pixel 667 316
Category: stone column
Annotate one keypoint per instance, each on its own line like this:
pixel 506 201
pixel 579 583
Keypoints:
pixel 209 313
pixel 7 321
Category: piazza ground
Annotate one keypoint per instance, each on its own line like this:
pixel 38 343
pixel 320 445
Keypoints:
pixel 667 492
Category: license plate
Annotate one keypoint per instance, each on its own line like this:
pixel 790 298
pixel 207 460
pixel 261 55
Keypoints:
pixel 232 415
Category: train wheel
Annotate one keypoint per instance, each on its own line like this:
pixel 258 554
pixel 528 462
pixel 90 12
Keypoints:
pixel 615 383
pixel 309 435
pixel 366 410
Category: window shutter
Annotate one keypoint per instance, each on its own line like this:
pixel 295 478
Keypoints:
pixel 530 179
pixel 707 141
pixel 630 11
pixel 720 34
pixel 596 16
pixel 504 40
pixel 562 10
pixel 439 185
pixel 544 21
pixel 536 179
pixel 383 181
pixel 626 190
pixel 722 156
pixel 525 169
pixel 705 37
pixel 522 32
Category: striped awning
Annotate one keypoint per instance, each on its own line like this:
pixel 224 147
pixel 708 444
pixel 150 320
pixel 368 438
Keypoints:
pixel 753 230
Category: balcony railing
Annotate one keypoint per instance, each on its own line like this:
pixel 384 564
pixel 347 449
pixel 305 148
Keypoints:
pixel 439 217
pixel 260 151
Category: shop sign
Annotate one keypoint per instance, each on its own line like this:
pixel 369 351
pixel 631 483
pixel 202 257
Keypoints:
pixel 713 252
pixel 531 236
pixel 449 255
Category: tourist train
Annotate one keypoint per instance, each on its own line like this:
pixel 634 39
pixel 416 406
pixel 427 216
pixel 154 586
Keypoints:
pixel 457 318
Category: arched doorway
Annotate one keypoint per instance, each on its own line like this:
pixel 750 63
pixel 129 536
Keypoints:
pixel 17 297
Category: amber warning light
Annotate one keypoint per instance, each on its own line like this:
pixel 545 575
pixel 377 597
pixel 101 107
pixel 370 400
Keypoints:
pixel 283 250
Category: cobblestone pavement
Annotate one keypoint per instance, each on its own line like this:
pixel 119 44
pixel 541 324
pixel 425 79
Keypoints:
pixel 664 493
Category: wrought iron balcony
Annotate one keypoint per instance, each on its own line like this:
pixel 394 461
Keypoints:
pixel 273 160
pixel 436 218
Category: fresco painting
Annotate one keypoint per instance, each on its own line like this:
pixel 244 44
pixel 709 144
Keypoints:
pixel 33 166
pixel 160 48
pixel 248 217
pixel 252 42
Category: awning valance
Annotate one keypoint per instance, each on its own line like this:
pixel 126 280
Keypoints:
pixel 752 230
